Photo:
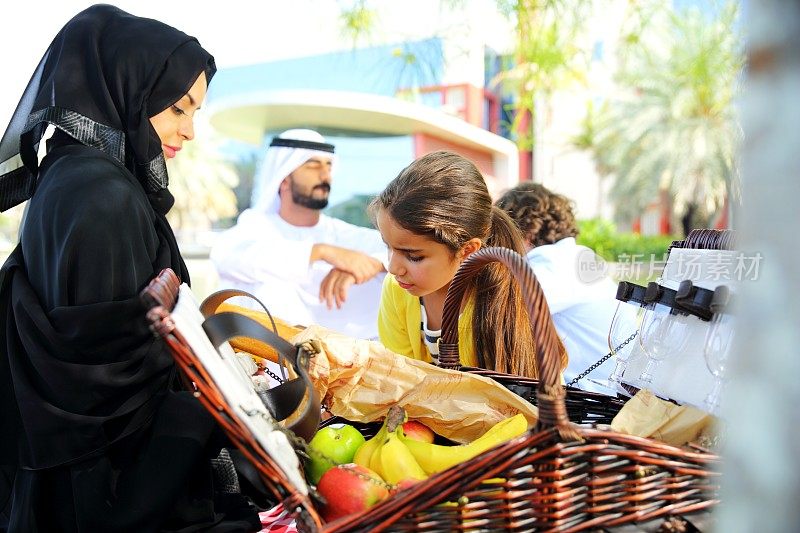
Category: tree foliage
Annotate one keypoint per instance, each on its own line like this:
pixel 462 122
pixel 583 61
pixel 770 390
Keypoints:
pixel 670 129
pixel 202 182
pixel 9 227
pixel 547 56
pixel 357 21
pixel 672 126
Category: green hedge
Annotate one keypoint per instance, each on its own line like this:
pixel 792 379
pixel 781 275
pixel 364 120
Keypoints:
pixel 602 237
pixel 353 210
pixel 599 235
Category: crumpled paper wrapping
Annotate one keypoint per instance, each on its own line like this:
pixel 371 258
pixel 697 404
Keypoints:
pixel 646 415
pixel 359 380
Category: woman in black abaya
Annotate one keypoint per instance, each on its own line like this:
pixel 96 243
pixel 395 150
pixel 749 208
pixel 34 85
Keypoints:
pixel 95 435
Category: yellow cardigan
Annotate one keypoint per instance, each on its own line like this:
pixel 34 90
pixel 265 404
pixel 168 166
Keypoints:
pixel 400 319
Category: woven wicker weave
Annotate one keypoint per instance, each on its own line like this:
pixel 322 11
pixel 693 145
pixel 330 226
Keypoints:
pixel 559 477
pixel 707 239
pixel 160 296
pixel 583 407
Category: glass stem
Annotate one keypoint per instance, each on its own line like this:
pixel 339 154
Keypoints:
pixel 712 400
pixel 647 375
pixel 619 370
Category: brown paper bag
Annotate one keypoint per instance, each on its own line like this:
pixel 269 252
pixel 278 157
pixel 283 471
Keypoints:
pixel 359 380
pixel 646 415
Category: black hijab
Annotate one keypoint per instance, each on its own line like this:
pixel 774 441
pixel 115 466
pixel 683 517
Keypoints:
pixel 103 76
pixel 79 369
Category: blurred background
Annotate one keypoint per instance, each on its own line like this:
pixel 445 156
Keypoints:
pixel 629 107
pixel 625 106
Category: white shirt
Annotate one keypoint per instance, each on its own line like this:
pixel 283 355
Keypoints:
pixel 582 302
pixel 269 258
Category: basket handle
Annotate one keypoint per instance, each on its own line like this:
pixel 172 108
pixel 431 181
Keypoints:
pixel 287 397
pixel 549 392
pixel 160 297
pixel 710 239
pixel 162 291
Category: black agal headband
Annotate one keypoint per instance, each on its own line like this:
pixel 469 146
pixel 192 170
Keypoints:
pixel 297 143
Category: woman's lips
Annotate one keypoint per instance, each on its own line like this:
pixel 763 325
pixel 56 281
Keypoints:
pixel 405 286
pixel 170 151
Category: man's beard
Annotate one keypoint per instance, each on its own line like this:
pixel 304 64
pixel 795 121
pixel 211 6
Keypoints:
pixel 308 200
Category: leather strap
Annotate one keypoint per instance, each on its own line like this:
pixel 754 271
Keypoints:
pixel 214 300
pixel 287 397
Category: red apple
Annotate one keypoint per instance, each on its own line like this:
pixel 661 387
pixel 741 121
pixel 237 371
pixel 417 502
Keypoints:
pixel 403 485
pixel 349 489
pixel 418 431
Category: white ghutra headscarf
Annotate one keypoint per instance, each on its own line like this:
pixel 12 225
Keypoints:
pixel 286 152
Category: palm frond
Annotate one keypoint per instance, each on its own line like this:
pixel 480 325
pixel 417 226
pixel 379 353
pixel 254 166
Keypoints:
pixel 672 127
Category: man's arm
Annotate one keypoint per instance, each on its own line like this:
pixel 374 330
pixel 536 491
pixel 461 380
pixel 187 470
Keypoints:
pixel 364 240
pixel 362 266
pixel 254 249
pixel 333 289
pixel 251 252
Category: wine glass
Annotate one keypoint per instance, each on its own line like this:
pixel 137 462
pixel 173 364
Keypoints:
pixel 716 350
pixel 662 333
pixel 624 328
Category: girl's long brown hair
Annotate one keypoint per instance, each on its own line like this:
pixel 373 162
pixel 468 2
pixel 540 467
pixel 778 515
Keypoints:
pixel 443 196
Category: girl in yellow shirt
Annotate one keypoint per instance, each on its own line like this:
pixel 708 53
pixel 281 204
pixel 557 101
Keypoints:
pixel 432 216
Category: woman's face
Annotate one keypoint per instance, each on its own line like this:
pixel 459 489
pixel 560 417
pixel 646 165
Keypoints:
pixel 421 265
pixel 175 124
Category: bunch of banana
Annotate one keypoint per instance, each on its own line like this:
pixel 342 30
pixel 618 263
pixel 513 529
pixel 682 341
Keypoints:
pixel 387 455
pixel 435 458
pixel 366 450
pixel 396 457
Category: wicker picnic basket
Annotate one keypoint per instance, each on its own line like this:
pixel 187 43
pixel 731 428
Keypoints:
pixel 557 477
pixel 583 407
pixel 160 297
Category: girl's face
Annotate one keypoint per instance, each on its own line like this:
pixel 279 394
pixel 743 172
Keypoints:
pixel 175 124
pixel 421 265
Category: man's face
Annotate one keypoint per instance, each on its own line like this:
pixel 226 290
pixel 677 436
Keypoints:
pixel 310 183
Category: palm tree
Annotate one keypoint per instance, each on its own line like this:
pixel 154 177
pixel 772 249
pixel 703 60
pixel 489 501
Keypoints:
pixel 202 182
pixel 672 130
pixel 547 57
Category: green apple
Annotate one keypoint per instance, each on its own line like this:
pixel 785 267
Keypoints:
pixel 331 446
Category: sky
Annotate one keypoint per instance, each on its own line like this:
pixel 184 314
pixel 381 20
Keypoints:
pixel 244 32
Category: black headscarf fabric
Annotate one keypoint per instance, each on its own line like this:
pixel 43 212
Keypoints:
pixel 88 397
pixel 103 76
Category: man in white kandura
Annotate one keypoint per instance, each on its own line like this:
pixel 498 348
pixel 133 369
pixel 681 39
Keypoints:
pixel 306 267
